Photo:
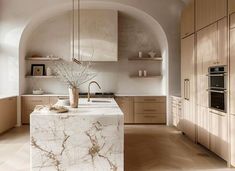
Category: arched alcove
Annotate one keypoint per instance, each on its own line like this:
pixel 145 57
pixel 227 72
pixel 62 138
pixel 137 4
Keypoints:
pixel 61 8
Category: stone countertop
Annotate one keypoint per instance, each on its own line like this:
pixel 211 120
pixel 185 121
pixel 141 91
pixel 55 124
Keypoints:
pixel 97 106
pixel 92 94
pixel 139 95
pixel 2 97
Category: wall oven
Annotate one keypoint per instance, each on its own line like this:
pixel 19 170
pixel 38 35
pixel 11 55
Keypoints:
pixel 217 78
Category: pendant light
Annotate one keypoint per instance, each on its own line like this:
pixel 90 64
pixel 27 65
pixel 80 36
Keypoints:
pixel 75 32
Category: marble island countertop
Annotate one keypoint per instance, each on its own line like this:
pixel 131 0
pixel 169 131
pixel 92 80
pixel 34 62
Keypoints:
pixel 97 106
pixel 85 139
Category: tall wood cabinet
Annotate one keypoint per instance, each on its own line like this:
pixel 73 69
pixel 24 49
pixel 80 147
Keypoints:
pixel 232 68
pixel 232 87
pixel 219 134
pixel 211 51
pixel 188 85
pixel 203 132
pixel 187 20
pixel 209 11
pixel 8 113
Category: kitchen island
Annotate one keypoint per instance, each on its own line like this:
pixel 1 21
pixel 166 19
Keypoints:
pixel 90 138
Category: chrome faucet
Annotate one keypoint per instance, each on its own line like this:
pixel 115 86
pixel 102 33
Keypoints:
pixel 89 89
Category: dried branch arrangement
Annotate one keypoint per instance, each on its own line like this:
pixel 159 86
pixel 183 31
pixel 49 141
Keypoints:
pixel 73 74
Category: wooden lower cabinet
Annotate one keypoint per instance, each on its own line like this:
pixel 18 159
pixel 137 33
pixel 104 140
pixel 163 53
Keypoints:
pixel 28 103
pixel 143 110
pixel 176 112
pixel 219 134
pixel 8 113
pixel 126 105
pixel 232 122
pixel 203 134
pixel 150 110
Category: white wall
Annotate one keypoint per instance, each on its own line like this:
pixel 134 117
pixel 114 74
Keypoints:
pixel 53 37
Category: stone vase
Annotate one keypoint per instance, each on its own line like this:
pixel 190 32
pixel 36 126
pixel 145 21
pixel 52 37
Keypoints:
pixel 73 97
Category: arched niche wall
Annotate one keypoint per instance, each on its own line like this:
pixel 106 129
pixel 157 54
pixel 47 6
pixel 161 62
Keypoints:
pixel 51 12
pixel 61 8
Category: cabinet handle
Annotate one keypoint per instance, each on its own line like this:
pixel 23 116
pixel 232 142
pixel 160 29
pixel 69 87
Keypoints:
pixel 150 116
pixel 150 110
pixel 40 101
pixel 150 100
pixel 216 113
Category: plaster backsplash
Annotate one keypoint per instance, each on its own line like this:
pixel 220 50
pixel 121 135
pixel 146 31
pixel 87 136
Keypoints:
pixel 53 37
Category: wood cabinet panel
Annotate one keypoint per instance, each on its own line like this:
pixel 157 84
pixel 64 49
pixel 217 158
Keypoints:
pixel 187 20
pixel 126 105
pixel 187 85
pixel 232 21
pixel 203 135
pixel 206 57
pixel 8 113
pixel 176 112
pixel 149 99
pixel 209 11
pixel 154 108
pixel 218 134
pixel 222 42
pixel 150 118
pixel 29 103
pixel 232 122
pixel 231 6
pixel 232 71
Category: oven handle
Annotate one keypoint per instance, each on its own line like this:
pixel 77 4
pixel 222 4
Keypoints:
pixel 217 91
pixel 216 75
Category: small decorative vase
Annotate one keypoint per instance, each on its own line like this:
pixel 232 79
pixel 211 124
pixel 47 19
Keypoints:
pixel 73 97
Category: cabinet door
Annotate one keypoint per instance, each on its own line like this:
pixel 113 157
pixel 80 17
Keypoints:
pixel 218 134
pixel 209 11
pixel 232 71
pixel 126 105
pixel 232 122
pixel 203 126
pixel 187 20
pixel 28 104
pixel 8 114
pixel 231 6
pixel 187 85
pixel 187 64
pixel 188 125
pixel 206 57
pixel 222 42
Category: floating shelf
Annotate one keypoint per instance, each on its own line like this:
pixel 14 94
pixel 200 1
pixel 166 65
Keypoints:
pixel 145 59
pixel 40 77
pixel 149 76
pixel 42 59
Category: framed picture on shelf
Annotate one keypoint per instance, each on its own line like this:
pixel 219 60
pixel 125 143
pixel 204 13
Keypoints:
pixel 38 70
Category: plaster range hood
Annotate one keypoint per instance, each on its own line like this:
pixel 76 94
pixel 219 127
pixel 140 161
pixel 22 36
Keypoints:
pixel 98 35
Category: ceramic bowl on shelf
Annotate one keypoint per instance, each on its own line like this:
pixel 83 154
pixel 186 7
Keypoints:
pixel 38 92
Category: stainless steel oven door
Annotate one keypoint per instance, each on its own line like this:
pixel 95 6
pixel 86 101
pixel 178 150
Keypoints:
pixel 217 100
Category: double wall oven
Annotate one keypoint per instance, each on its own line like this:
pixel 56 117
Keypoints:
pixel 217 77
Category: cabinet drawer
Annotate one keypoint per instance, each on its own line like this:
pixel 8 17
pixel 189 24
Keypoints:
pixel 149 99
pixel 145 108
pixel 150 118
pixel 29 103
